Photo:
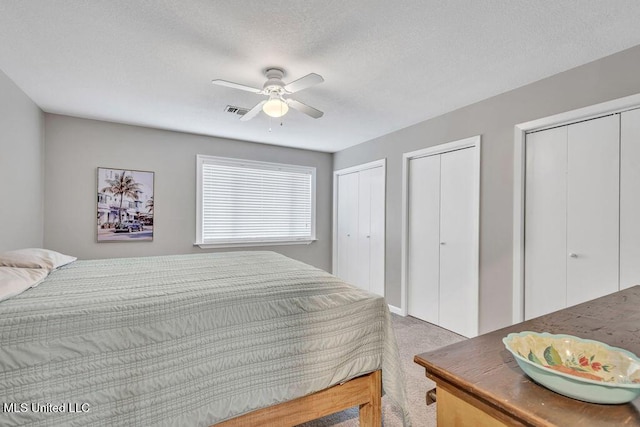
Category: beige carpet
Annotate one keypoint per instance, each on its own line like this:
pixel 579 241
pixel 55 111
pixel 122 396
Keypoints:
pixel 414 336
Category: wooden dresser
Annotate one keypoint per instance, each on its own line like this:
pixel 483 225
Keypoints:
pixel 480 384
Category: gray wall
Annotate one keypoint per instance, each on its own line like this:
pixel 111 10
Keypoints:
pixel 609 78
pixel 21 168
pixel 76 147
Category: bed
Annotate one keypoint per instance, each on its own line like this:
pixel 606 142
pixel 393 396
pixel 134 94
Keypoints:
pixel 191 340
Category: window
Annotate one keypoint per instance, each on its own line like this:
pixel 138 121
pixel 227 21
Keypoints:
pixel 250 203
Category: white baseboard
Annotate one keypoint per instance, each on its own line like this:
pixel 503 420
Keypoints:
pixel 396 310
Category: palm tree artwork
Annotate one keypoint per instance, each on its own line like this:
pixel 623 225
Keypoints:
pixel 122 185
pixel 149 205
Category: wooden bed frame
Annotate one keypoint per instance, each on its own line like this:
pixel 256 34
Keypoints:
pixel 364 391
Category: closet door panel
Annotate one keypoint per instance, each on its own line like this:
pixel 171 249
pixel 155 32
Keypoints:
pixel 593 209
pixel 458 262
pixel 363 229
pixel 376 231
pixel 545 272
pixel 342 255
pixel 347 226
pixel 630 199
pixel 423 270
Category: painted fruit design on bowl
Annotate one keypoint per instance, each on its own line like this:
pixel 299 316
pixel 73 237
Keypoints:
pixel 580 365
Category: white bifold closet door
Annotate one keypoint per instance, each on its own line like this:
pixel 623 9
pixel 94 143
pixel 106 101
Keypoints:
pixel 458 284
pixel 571 215
pixel 546 222
pixel 630 199
pixel 423 241
pixel 347 256
pixel 376 228
pixel 593 213
pixel 441 264
pixel 360 228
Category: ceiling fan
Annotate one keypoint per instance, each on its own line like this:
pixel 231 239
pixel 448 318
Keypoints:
pixel 277 105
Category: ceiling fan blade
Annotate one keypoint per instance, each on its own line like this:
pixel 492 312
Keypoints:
pixel 235 85
pixel 304 82
pixel 253 112
pixel 304 108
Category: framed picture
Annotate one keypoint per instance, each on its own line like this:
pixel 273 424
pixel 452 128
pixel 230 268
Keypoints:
pixel 125 205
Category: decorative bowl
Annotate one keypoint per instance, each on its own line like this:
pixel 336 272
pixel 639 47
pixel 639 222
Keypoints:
pixel 582 369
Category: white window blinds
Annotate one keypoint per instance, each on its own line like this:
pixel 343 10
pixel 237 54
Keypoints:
pixel 247 202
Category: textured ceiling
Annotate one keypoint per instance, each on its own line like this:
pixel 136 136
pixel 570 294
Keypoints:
pixel 386 64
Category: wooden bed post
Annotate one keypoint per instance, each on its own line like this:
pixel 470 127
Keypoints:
pixel 371 412
pixel 364 391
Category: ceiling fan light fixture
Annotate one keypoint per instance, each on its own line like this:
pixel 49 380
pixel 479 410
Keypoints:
pixel 275 107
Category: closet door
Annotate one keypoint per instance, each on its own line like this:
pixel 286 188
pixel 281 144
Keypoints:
pixel 593 199
pixel 360 227
pixel 545 271
pixel 630 199
pixel 458 262
pixel 377 231
pixel 423 263
pixel 363 234
pixel 347 247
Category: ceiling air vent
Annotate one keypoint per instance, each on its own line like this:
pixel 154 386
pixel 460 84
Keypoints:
pixel 236 110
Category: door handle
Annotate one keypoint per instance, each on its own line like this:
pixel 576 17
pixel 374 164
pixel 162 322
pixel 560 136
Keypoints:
pixel 572 255
pixel 443 243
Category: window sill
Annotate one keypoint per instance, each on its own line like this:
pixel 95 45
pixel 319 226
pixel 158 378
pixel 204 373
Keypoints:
pixel 252 244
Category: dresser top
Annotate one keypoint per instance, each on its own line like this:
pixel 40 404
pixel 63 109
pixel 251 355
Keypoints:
pixel 484 368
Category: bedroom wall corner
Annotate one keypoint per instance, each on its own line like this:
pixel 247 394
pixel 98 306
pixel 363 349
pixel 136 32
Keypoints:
pixel 21 169
pixel 76 147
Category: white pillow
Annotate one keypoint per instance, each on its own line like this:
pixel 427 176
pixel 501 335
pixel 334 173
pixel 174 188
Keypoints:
pixel 15 280
pixel 35 258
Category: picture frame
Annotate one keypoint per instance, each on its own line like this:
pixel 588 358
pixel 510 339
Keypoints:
pixel 124 205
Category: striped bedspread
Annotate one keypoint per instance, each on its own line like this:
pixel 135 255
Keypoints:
pixel 185 340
